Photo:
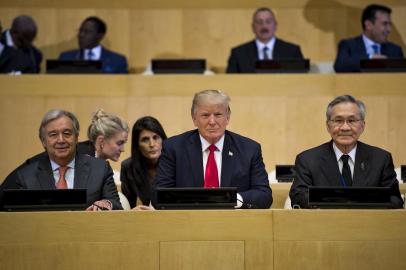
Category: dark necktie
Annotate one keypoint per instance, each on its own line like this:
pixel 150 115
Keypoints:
pixel 90 55
pixel 61 184
pixel 211 177
pixel 346 171
pixel 375 47
pixel 265 51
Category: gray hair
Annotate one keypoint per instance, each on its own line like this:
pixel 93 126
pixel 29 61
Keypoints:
pixel 345 99
pixel 56 114
pixel 105 124
pixel 213 97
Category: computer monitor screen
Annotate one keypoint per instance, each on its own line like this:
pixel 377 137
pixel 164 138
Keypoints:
pixel 349 197
pixel 196 198
pixel 383 65
pixel 178 66
pixel 44 200
pixel 283 66
pixel 73 67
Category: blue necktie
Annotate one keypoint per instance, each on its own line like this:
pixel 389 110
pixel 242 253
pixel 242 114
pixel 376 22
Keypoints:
pixel 90 55
pixel 376 48
pixel 265 52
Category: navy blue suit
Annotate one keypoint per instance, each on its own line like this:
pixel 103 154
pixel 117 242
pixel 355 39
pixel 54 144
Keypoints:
pixel 112 62
pixel 351 51
pixel 243 58
pixel 181 165
pixel 319 167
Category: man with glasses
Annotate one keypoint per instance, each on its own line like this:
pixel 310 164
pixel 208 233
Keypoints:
pixel 344 161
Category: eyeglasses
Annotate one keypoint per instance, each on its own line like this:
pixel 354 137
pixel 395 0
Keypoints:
pixel 340 122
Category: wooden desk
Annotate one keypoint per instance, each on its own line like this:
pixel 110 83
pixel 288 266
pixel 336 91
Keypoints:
pixel 226 239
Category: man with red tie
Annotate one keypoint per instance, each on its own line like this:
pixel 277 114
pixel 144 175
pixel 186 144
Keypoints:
pixel 62 167
pixel 212 156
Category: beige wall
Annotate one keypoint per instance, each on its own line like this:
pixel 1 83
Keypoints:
pixel 154 29
pixel 285 113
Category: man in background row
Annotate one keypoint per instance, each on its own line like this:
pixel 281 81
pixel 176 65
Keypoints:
pixel 91 33
pixel 344 161
pixel 372 44
pixel 212 156
pixel 20 55
pixel 265 46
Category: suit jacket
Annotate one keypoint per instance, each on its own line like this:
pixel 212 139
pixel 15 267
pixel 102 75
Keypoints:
pixel 112 62
pixel 14 60
pixel 319 167
pixel 181 165
pixel 243 58
pixel 91 173
pixel 134 187
pixel 351 51
pixel 26 60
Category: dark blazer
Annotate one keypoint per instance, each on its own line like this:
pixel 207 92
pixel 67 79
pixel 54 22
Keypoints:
pixel 91 173
pixel 134 187
pixel 31 61
pixel 243 58
pixel 351 51
pixel 14 60
pixel 319 167
pixel 181 165
pixel 112 62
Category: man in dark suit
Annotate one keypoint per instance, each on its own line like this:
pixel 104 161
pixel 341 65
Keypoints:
pixel 63 167
pixel 372 44
pixel 212 157
pixel 21 55
pixel 344 161
pixel 91 33
pixel 265 46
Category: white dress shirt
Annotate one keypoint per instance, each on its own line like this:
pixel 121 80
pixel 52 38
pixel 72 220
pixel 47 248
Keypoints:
pixel 260 46
pixel 351 160
pixel 96 53
pixel 69 174
pixel 368 46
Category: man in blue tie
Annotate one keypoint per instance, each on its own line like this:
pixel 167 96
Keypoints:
pixel 91 33
pixel 344 161
pixel 372 44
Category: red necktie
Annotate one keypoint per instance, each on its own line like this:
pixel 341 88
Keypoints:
pixel 211 177
pixel 61 184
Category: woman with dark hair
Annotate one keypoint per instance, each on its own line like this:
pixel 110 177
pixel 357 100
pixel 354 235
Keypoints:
pixel 138 172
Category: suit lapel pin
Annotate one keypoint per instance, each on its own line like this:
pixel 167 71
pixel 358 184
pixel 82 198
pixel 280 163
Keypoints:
pixel 230 153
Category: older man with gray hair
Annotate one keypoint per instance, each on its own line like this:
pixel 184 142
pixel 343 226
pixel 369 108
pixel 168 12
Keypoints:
pixel 63 168
pixel 344 161
pixel 211 156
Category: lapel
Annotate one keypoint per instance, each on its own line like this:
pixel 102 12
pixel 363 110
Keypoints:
pixel 228 161
pixel 195 158
pixel 252 55
pixel 82 171
pixel 361 166
pixel 360 48
pixel 329 165
pixel 44 175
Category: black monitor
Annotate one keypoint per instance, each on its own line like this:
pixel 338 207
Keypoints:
pixel 383 65
pixel 44 200
pixel 349 197
pixel 178 66
pixel 196 198
pixel 283 66
pixel 403 173
pixel 284 173
pixel 73 67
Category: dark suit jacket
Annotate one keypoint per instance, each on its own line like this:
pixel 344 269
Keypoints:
pixel 91 173
pixel 14 60
pixel 244 57
pixel 181 165
pixel 30 61
pixel 112 62
pixel 134 187
pixel 319 167
pixel 351 51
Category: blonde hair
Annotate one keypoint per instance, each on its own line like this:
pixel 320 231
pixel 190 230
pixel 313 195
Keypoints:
pixel 105 124
pixel 211 96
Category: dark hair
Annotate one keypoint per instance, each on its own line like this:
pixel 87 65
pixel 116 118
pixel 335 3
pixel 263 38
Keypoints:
pixel 100 25
pixel 369 13
pixel 138 167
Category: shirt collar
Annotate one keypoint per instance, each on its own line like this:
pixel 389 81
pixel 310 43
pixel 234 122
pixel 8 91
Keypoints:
pixel 96 52
pixel 369 42
pixel 56 166
pixel 205 144
pixel 270 44
pixel 338 152
pixel 9 39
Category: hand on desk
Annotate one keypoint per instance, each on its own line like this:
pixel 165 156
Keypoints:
pixel 100 205
pixel 142 208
